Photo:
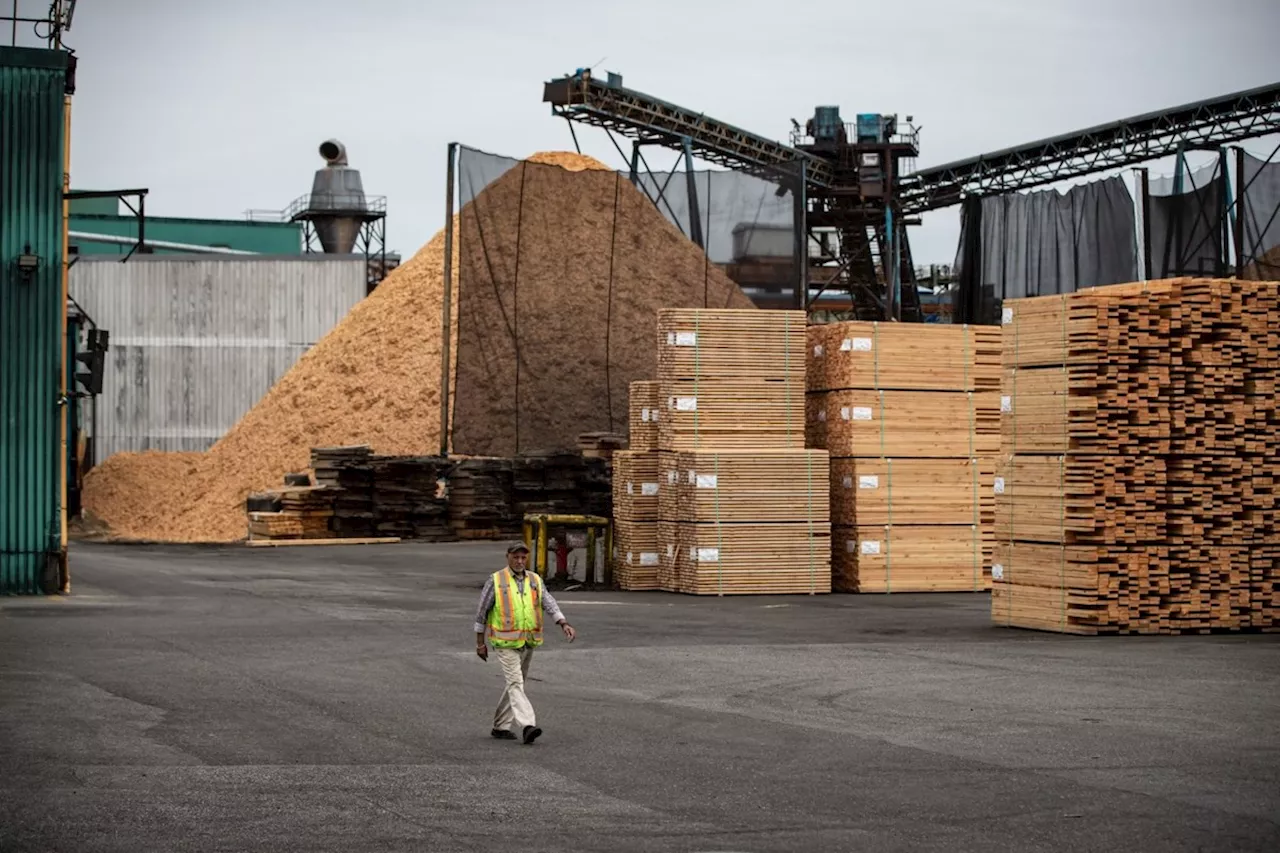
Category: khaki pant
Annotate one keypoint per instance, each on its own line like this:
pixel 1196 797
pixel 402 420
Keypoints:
pixel 514 706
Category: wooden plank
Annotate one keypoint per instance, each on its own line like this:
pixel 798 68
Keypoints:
pixel 275 543
pixel 748 558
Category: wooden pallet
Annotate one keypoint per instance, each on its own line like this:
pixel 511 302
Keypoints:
pixel 1140 490
pixel 903 357
pixel 911 558
pixel 746 558
pixel 638 563
pixel 747 485
pixel 635 486
pixel 645 409
pixel 727 344
pixel 912 491
pixel 918 424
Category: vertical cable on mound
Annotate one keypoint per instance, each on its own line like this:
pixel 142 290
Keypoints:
pixel 1062 466
pixel 515 297
pixel 608 320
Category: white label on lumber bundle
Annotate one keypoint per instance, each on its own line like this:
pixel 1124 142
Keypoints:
pixel 648 489
pixel 705 555
pixel 999 485
pixel 1006 316
pixel 818 350
pixel 644 414
pixel 851 545
pixel 997 572
pixel 672 476
pixel 857 413
pixel 848 481
pixel 856 344
pixel 822 414
pixel 707 481
pixel 686 404
pixel 630 490
pixel 628 558
pixel 871 546
pixel 648 558
pixel 1006 404
pixel 869 481
pixel 686 339
pixel 671 550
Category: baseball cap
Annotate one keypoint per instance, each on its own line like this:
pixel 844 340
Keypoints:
pixel 517 546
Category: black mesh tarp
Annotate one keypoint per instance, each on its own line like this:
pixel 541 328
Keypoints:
pixel 1186 228
pixel 1047 242
pixel 1261 212
pixel 560 277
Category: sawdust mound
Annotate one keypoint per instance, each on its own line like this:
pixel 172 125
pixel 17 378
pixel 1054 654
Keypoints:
pixel 375 377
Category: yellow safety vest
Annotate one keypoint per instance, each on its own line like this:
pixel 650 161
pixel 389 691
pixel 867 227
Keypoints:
pixel 515 619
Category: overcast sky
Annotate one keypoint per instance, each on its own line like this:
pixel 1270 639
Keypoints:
pixel 217 107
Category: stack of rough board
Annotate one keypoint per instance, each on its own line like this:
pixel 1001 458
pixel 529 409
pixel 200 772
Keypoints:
pixel 304 513
pixel 910 415
pixel 635 493
pixel 1142 450
pixel 743 506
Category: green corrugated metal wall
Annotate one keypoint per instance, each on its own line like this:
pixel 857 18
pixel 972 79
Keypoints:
pixel 32 91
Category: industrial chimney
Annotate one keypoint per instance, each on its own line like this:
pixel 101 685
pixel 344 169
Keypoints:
pixel 337 207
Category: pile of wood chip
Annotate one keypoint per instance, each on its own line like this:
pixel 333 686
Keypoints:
pixel 373 379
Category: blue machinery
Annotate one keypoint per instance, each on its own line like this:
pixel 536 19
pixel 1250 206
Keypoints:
pixel 857 179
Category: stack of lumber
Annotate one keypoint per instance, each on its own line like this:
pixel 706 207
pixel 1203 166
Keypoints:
pixel 635 493
pixel 304 513
pixel 1138 488
pixel 644 403
pixel 409 498
pixel 559 483
pixel 743 507
pixel 480 499
pixel 601 444
pixel 347 469
pixel 910 415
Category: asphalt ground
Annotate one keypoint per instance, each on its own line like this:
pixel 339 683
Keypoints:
pixel 330 699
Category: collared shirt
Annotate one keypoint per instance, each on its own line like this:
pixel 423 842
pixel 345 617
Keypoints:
pixel 487 597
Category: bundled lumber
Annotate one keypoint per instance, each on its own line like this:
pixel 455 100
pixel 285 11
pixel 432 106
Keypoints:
pixel 480 499
pixel 891 491
pixel 919 424
pixel 910 558
pixel 911 418
pixel 753 558
pixel 328 463
pixel 645 402
pixel 305 512
pixel 1139 490
pixel 559 484
pixel 903 357
pixel 747 486
pixel 638 562
pixel 601 445
pixel 732 467
pixel 409 498
pixel 635 486
pixel 731 378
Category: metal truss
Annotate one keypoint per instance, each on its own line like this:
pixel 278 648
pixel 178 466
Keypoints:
pixel 1242 115
pixel 582 98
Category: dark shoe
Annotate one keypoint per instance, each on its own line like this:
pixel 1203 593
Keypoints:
pixel 531 733
pixel 503 734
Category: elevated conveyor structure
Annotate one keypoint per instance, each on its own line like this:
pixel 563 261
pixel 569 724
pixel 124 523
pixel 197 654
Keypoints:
pixel 831 197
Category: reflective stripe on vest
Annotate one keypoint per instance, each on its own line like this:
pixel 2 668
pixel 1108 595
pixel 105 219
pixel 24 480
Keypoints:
pixel 516 618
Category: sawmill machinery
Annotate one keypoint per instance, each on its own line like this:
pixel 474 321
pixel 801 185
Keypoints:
pixel 855 186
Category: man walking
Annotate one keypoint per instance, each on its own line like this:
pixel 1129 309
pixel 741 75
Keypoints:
pixel 510 617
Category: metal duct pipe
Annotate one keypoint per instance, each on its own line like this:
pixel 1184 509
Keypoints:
pixel 119 240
